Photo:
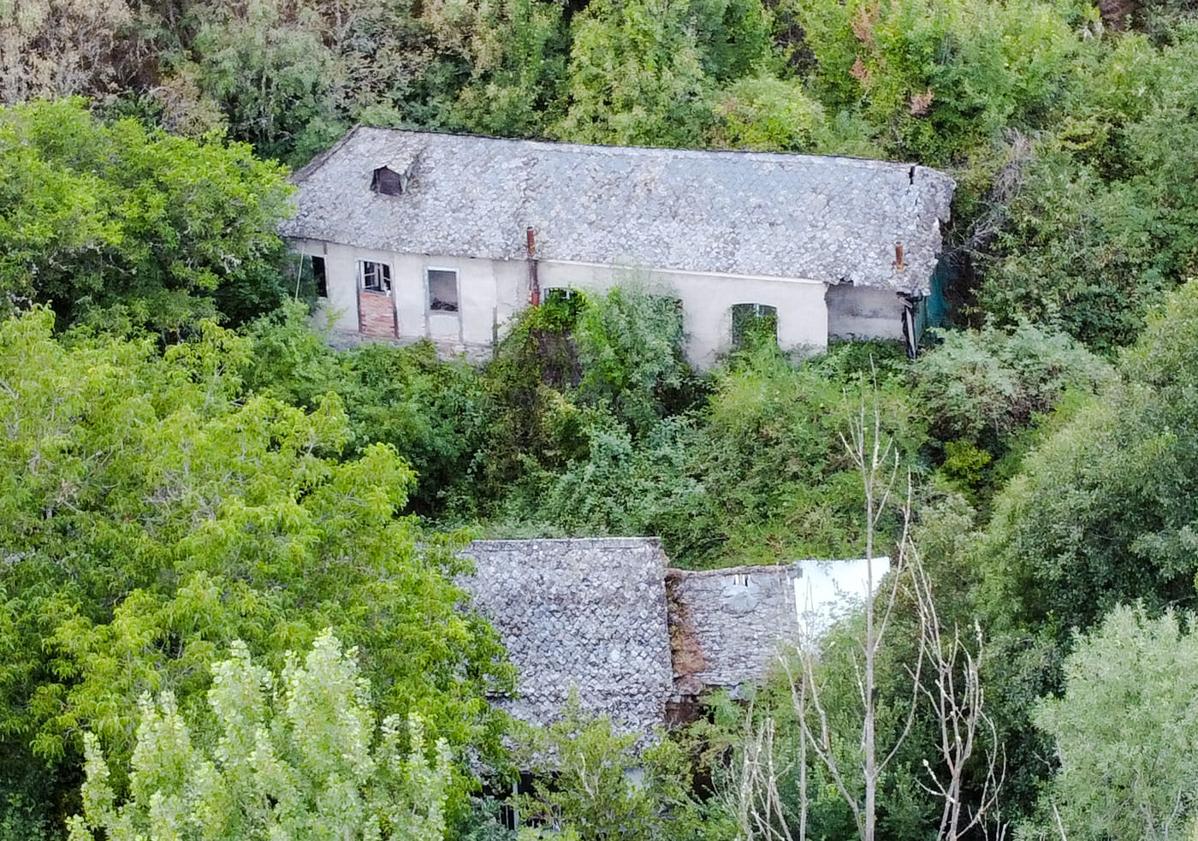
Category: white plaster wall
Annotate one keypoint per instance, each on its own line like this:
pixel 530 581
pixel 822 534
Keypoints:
pixel 707 301
pixel 828 591
pixel 341 276
pixel 488 294
pixel 856 312
pixel 491 291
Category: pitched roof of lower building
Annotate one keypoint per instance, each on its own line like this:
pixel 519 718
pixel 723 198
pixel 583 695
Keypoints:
pixel 584 614
pixel 829 219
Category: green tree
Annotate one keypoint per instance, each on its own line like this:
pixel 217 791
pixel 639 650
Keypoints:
pixel 585 788
pixel 630 352
pixel 112 220
pixel 1104 511
pixel 936 78
pixel 985 391
pixel 153 510
pixel 1106 220
pixel 267 64
pixel 1101 513
pixel 293 756
pixel 1126 732
pixel 636 76
pixel 518 64
pixel 435 412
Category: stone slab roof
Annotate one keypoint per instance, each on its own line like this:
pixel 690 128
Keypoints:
pixel 828 219
pixel 584 613
pixel 728 626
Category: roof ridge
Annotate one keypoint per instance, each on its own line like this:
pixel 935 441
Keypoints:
pixel 665 151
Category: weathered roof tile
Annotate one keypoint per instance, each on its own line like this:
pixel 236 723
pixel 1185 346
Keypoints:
pixel 743 213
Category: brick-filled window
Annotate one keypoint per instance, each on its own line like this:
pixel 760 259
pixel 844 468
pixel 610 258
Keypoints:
pixel 376 277
pixel 443 290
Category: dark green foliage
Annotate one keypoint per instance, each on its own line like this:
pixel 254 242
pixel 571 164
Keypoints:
pixel 435 413
pixel 1104 510
pixel 985 391
pixel 1107 220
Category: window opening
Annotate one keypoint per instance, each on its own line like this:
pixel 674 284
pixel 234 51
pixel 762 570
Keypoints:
pixel 387 182
pixel 320 278
pixel 753 324
pixel 443 290
pixel 376 277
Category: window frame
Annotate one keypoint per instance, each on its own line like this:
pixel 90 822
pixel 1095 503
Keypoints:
pixel 428 290
pixel 385 287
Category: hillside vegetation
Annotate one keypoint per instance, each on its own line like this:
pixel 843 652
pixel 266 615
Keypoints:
pixel 228 551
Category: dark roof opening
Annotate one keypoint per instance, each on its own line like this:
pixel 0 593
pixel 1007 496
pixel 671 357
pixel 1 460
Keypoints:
pixel 387 181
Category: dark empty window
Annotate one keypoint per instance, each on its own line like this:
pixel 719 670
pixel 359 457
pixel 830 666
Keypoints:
pixel 376 277
pixel 443 290
pixel 387 181
pixel 320 278
pixel 753 324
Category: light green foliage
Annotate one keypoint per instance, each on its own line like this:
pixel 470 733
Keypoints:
pixel 585 789
pixel 778 115
pixel 153 510
pixel 630 353
pixel 1107 219
pixel 1126 732
pixel 986 385
pixel 292 756
pixel 778 483
pixel 97 216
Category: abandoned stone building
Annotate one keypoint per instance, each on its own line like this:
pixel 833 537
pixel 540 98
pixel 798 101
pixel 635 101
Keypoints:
pixel 413 235
pixel 641 643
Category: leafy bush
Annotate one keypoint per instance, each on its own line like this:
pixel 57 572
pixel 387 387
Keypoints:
pixel 584 788
pixel 936 78
pixel 771 462
pixel 1124 732
pixel 153 510
pixel 984 386
pixel 295 756
pixel 630 354
pixel 1106 221
pixel 97 217
pixel 1103 511
pixel 435 412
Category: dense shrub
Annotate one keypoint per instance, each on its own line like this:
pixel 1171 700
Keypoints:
pixel 153 510
pixel 1106 219
pixel 1124 732
pixel 435 412
pixel 1103 511
pixel 120 223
